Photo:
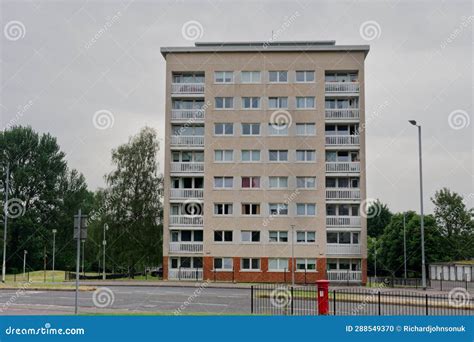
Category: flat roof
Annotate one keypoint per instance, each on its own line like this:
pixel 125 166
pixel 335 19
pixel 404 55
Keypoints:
pixel 259 46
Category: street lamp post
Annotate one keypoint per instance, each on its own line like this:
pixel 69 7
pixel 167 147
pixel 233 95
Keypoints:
pixel 422 227
pixel 375 261
pixel 404 245
pixel 5 224
pixel 293 255
pixel 25 252
pixel 54 248
pixel 83 248
pixel 104 242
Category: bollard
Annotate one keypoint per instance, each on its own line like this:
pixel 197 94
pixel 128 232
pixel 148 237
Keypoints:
pixel 323 297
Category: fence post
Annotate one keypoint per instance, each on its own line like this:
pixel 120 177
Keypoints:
pixel 197 275
pixel 334 301
pixel 233 275
pixel 305 276
pixel 284 276
pixel 179 273
pixel 426 304
pixel 380 309
pixel 441 283
pixel 251 299
pixel 292 301
pixel 214 275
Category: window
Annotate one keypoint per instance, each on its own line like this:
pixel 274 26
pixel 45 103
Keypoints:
pixel 343 264
pixel 224 103
pixel 277 264
pixel 223 235
pixel 223 182
pixel 305 209
pixel 223 155
pixel 250 129
pixel 305 265
pixel 278 209
pixel 250 264
pixel 305 155
pixel 306 182
pixel 276 129
pixel 278 76
pixel 278 236
pixel 250 209
pixel 223 209
pixel 250 155
pixel 277 102
pixel 306 102
pixel 343 237
pixel 250 182
pixel 224 129
pixel 250 102
pixel 305 237
pixel 305 76
pixel 250 236
pixel 278 182
pixel 305 129
pixel 278 155
pixel 250 77
pixel 221 264
pixel 224 77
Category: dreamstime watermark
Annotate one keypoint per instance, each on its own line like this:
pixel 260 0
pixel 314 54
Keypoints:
pixel 19 293
pixel 14 30
pixel 281 297
pixel 372 116
pixel 193 119
pixel 370 208
pixel 103 119
pixel 108 24
pixel 103 297
pixel 192 208
pixel 288 21
pixel 457 31
pixel 288 199
pixel 192 30
pixel 281 119
pixel 370 30
pixel 192 297
pixel 459 297
pixel 15 207
pixel 459 119
pixel 21 111
pixel 370 297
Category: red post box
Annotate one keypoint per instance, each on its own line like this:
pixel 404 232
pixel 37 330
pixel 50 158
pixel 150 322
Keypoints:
pixel 323 297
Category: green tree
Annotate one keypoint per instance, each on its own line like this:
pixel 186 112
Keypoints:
pixel 378 217
pixel 132 204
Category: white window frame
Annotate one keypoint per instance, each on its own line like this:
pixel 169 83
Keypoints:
pixel 230 205
pixel 278 207
pixel 224 125
pixel 225 100
pixel 305 232
pixel 251 187
pixel 223 155
pixel 252 127
pixel 306 205
pixel 313 261
pixel 251 153
pixel 224 77
pixel 251 204
pixel 279 156
pixel 306 125
pixel 224 178
pixel 306 100
pixel 306 154
pixel 305 180
pixel 276 130
pixel 251 99
pixel 223 268
pixel 252 74
pixel 280 268
pixel 251 269
pixel 279 100
pixel 279 180
pixel 278 236
pixel 223 236
pixel 305 73
pixel 279 74
pixel 251 232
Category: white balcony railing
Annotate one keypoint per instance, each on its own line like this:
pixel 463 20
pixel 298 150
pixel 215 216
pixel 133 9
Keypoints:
pixel 185 274
pixel 343 221
pixel 187 193
pixel 187 88
pixel 187 115
pixel 342 87
pixel 342 194
pixel 186 247
pixel 187 140
pixel 342 140
pixel 349 167
pixel 183 220
pixel 192 167
pixel 342 114
pixel 344 275
pixel 342 249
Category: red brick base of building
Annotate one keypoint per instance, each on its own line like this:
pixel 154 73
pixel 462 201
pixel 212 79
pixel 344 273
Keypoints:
pixel 263 275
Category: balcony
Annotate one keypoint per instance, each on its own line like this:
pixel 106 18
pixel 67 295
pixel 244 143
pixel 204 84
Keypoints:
pixel 192 167
pixel 344 275
pixel 342 114
pixel 342 87
pixel 185 274
pixel 343 221
pixel 342 140
pixel 186 193
pixel 342 167
pixel 187 115
pixel 342 194
pixel 186 247
pixel 342 249
pixel 187 140
pixel 183 220
pixel 187 88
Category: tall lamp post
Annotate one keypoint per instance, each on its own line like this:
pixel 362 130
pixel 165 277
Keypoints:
pixel 5 224
pixel 404 245
pixel 25 252
pixel 54 248
pixel 293 255
pixel 104 242
pixel 422 227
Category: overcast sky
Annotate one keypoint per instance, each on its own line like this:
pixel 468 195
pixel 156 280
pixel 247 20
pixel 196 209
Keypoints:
pixel 55 75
